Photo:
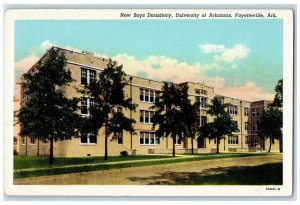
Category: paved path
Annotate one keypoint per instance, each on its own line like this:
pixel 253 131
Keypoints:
pixel 157 174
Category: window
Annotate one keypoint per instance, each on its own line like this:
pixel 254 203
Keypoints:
pixel 147 95
pixel 32 140
pixel 120 138
pixel 203 102
pixel 255 111
pixel 255 141
pixel 146 116
pixel 233 140
pixel 149 138
pixel 88 139
pixel 142 94
pixel 152 96
pixel 203 120
pixel 246 126
pixel 247 140
pixel 203 92
pixel 178 140
pixel 197 91
pixel 87 76
pixel 23 93
pixel 233 110
pixel 119 109
pixel 86 103
pixel 23 140
pixel 255 127
pixel 44 141
pixel 246 111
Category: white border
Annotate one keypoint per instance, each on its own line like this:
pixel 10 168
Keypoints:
pixel 104 190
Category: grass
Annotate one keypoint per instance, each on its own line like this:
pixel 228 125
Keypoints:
pixel 24 162
pixel 41 162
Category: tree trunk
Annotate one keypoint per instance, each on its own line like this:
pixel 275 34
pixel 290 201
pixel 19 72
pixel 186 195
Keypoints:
pixel 192 146
pixel 280 145
pixel 218 146
pixel 26 143
pixel 38 147
pixel 105 149
pixel 174 146
pixel 51 151
pixel 270 145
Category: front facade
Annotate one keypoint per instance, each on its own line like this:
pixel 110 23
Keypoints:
pixel 85 66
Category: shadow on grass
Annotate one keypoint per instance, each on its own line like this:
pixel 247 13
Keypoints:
pixel 266 174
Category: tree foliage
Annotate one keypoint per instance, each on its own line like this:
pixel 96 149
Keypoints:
pixel 169 114
pixel 47 114
pixel 107 92
pixel 271 125
pixel 191 119
pixel 278 99
pixel 222 124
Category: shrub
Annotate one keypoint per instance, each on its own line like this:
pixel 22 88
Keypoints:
pixel 124 154
pixel 15 152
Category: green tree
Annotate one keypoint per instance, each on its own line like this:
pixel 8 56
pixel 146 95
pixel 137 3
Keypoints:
pixel 47 114
pixel 169 113
pixel 191 119
pixel 107 93
pixel 222 124
pixel 271 124
pixel 278 99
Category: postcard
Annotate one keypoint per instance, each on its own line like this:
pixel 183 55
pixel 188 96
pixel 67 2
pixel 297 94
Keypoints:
pixel 148 102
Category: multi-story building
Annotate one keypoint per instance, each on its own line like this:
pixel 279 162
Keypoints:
pixel 85 66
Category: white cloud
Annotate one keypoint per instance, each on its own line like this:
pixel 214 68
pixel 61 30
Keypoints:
pixel 222 53
pixel 45 45
pixel 24 65
pixel 163 68
pixel 212 48
pixel 249 91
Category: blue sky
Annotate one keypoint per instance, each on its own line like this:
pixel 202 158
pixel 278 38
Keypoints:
pixel 226 54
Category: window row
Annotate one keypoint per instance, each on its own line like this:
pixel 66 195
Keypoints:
pixel 86 103
pixel 147 95
pixel 32 141
pixel 255 111
pixel 87 76
pixel 146 116
pixel 232 110
pixel 201 91
pixel 149 138
pixel 233 140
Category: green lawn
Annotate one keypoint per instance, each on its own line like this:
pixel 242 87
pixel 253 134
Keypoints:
pixel 24 162
pixel 21 162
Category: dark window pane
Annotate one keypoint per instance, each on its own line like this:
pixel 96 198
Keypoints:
pixel 120 138
pixel 141 94
pixel 93 139
pixel 142 140
pixel 83 76
pixel 83 139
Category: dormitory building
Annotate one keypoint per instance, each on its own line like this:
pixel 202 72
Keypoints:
pixel 85 66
